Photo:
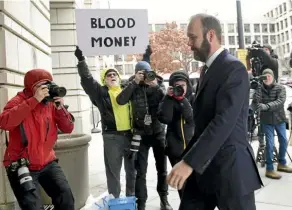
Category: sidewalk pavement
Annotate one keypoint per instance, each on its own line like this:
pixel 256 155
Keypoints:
pixel 276 195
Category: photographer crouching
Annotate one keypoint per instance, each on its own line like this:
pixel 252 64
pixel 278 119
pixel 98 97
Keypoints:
pixel 269 101
pixel 145 91
pixel 33 118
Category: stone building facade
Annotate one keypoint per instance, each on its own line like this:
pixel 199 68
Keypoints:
pixel 40 34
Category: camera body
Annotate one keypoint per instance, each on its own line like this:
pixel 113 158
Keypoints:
pixel 21 168
pixel 256 81
pixel 149 75
pixel 54 91
pixel 178 91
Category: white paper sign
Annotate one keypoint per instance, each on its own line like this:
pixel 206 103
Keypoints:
pixel 112 31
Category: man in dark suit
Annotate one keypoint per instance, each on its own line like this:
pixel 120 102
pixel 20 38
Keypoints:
pixel 218 164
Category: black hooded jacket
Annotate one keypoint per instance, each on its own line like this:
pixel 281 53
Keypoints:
pixel 178 115
pixel 137 95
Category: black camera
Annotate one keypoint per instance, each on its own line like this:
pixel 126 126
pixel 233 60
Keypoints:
pixel 149 75
pixel 178 90
pixel 255 82
pixel 21 167
pixel 54 91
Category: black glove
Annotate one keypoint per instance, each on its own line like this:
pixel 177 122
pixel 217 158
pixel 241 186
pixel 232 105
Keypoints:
pixel 79 55
pixel 148 50
pixel 289 108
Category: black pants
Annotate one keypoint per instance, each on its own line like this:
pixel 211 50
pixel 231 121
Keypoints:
pixel 174 160
pixel 115 149
pixel 141 165
pixel 53 181
pixel 194 199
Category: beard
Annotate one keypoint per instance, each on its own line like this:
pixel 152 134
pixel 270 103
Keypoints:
pixel 201 54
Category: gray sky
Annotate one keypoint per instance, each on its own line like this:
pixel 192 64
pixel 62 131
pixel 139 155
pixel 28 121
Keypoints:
pixel 181 10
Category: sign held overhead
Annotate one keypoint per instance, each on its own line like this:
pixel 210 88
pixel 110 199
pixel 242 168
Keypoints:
pixel 112 31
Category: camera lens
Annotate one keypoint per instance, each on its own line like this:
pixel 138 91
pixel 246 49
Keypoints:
pixel 178 90
pixel 150 76
pixel 61 91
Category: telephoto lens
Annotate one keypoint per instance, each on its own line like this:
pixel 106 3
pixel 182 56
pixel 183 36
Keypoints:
pixel 25 179
pixel 135 143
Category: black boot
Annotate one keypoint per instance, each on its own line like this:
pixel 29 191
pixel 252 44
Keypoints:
pixel 164 205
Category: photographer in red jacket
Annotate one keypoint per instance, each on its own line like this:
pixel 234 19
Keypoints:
pixel 33 118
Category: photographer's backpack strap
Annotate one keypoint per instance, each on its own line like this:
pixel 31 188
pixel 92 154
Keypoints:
pixel 23 135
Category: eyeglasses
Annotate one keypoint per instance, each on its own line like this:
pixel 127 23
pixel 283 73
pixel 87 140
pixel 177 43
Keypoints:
pixel 111 74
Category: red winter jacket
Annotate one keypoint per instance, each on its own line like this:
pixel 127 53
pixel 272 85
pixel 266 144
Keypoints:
pixel 40 122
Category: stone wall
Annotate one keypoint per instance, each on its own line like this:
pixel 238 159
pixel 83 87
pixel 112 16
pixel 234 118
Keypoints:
pixel 24 44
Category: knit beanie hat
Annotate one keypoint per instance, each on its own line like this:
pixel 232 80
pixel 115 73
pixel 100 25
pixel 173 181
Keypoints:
pixel 178 76
pixel 142 65
pixel 35 76
pixel 268 71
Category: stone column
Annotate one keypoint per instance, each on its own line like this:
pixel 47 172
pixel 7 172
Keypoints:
pixel 24 44
pixel 64 41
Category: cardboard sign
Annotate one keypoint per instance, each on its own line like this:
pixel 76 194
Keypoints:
pixel 112 31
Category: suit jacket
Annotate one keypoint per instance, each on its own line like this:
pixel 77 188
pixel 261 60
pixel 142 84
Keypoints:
pixel 219 152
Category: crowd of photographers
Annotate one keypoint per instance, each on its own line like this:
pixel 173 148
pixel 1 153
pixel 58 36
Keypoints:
pixel 133 118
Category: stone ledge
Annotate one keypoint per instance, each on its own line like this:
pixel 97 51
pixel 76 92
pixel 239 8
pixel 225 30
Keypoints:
pixel 42 9
pixel 66 141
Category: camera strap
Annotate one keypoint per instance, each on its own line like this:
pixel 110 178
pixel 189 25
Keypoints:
pixel 24 140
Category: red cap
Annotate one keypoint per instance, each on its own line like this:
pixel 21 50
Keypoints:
pixel 35 76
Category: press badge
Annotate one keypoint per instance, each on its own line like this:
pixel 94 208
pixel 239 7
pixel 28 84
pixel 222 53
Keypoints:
pixel 147 119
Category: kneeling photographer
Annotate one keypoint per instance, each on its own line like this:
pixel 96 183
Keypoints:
pixel 176 111
pixel 263 57
pixel 145 91
pixel 33 118
pixel 269 102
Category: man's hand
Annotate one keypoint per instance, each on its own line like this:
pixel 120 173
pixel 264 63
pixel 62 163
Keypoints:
pixel 139 76
pixel 41 93
pixel 263 107
pixel 152 83
pixel 179 174
pixel 58 102
pixel 169 91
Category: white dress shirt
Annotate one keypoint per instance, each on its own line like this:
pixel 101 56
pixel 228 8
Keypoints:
pixel 212 58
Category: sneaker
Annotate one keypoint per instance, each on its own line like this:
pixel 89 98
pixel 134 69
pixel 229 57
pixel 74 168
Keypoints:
pixel 284 168
pixel 273 175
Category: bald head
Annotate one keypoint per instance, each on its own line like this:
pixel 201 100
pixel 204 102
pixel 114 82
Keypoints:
pixel 208 22
pixel 204 33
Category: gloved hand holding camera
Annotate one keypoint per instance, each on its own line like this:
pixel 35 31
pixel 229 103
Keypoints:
pixel 263 107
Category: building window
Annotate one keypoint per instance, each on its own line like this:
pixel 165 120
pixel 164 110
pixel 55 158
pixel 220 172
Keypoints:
pixel 258 38
pixel 222 40
pixel 278 27
pixel 159 27
pixel 288 48
pixel 287 35
pixel 183 26
pixel 265 39
pixel 277 12
pixel 247 39
pixel 231 28
pixel 195 66
pixel 278 38
pixel 285 7
pixel 282 25
pixel 291 20
pixel 273 39
pixel 247 28
pixel 150 27
pixel 232 51
pixel 231 40
pixel 281 10
pixel 272 28
pixel 265 28
pixel 129 69
pixel 286 23
pixel 257 28
pixel 282 37
pixel 272 13
pixel 222 28
pixel 284 49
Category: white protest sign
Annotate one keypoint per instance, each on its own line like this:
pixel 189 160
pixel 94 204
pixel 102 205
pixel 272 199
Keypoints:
pixel 112 31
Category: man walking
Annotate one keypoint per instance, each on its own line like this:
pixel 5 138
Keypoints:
pixel 218 162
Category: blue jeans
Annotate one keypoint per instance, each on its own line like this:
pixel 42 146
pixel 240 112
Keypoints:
pixel 282 138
